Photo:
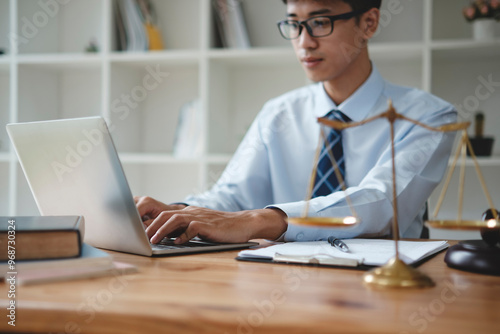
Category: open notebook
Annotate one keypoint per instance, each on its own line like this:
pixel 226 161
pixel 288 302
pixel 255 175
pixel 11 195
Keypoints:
pixel 362 252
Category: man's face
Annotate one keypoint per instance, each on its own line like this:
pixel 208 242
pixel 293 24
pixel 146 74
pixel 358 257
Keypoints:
pixel 325 58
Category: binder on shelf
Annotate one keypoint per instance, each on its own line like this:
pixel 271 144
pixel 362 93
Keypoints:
pixel 231 24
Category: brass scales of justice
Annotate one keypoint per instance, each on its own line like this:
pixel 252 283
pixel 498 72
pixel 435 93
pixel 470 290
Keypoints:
pixel 395 273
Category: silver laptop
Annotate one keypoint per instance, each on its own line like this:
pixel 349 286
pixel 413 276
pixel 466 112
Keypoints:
pixel 72 168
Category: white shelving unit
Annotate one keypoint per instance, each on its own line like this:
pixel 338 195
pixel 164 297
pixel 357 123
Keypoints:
pixel 46 74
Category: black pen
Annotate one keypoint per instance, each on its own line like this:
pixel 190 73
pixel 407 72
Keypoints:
pixel 339 244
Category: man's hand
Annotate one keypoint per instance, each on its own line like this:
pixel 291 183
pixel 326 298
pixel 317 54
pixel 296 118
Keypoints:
pixel 150 208
pixel 186 223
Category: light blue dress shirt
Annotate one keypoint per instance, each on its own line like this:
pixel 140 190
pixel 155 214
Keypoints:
pixel 273 164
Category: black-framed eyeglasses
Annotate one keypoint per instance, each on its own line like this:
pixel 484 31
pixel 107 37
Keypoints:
pixel 317 26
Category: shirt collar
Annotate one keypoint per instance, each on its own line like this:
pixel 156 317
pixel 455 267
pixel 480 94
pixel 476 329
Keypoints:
pixel 359 104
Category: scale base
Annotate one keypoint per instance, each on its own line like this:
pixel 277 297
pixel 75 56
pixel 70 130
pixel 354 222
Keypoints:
pixel 474 256
pixel 397 274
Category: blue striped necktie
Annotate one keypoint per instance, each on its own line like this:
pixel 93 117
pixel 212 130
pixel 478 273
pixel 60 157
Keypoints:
pixel 326 181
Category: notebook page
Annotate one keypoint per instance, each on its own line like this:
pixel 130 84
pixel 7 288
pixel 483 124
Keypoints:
pixel 372 252
pixel 377 252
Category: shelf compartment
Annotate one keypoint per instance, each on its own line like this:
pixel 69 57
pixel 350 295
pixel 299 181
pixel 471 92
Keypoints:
pixel 260 24
pixel 173 16
pixel 55 27
pixel 145 108
pixel 164 182
pixel 238 92
pixel 455 26
pixel 48 93
pixel 465 84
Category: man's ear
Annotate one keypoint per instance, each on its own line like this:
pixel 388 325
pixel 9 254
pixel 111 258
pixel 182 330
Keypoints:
pixel 369 22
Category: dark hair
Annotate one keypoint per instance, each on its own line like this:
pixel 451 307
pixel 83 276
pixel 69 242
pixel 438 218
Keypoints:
pixel 362 5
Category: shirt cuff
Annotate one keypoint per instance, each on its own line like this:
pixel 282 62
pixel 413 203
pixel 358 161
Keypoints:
pixel 290 209
pixel 281 238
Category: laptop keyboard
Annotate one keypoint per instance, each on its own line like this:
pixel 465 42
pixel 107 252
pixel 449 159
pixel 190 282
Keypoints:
pixel 168 243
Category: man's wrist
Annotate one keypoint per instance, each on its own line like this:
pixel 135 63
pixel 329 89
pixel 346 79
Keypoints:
pixel 270 223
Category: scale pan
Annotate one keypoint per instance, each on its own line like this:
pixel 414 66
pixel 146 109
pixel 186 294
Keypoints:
pixel 325 221
pixel 463 224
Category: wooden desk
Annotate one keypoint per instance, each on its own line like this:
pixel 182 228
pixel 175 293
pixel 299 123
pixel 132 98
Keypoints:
pixel 213 293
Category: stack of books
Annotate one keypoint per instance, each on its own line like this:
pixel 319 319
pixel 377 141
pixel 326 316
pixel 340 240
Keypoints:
pixel 51 248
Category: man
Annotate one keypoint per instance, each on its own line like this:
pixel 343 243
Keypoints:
pixel 267 178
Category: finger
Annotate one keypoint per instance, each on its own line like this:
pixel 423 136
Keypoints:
pixel 145 207
pixel 139 203
pixel 195 228
pixel 158 222
pixel 146 221
pixel 176 222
